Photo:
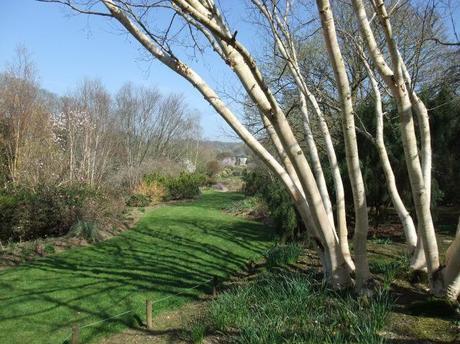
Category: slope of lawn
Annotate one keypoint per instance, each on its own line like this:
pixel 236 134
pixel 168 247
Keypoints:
pixel 171 249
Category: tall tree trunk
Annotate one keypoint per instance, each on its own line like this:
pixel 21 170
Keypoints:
pixel 404 216
pixel 395 82
pixel 451 273
pixel 351 147
pixel 418 261
pixel 424 128
pixel 341 226
pixel 286 45
pixel 315 160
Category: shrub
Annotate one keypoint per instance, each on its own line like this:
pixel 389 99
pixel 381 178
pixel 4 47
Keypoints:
pixel 226 172
pixel 277 199
pixel 9 206
pixel 152 178
pixel 184 186
pixel 212 168
pixel 153 190
pixel 252 182
pixel 47 210
pixel 282 255
pixel 137 200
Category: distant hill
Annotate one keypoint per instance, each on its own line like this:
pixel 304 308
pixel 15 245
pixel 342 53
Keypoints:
pixel 237 148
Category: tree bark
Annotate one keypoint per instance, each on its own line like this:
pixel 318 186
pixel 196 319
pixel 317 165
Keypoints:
pixel 351 147
pixel 395 82
pixel 451 273
pixel 285 44
pixel 315 161
pixel 404 216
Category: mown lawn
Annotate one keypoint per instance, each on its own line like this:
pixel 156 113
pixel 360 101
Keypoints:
pixel 171 249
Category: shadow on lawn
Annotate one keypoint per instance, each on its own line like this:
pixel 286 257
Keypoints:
pixel 172 249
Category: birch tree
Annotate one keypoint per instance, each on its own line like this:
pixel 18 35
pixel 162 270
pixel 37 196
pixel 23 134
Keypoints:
pixel 351 147
pixel 425 63
pixel 419 168
pixel 285 43
pixel 379 143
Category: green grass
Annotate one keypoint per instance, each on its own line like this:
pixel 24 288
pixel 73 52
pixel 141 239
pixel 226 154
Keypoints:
pixel 172 248
pixel 292 307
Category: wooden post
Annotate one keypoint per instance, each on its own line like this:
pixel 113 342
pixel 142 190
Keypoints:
pixel 75 334
pixel 252 266
pixel 148 311
pixel 214 286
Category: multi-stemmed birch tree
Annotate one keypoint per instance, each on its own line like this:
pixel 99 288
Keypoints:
pixel 407 101
pixel 303 179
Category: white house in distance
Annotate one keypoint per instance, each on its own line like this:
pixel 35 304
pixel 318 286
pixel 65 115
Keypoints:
pixel 242 160
pixel 228 161
pixel 239 160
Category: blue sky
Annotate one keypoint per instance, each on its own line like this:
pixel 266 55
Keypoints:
pixel 67 48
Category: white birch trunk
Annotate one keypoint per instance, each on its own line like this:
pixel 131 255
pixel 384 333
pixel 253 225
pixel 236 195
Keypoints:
pixel 351 148
pixel 286 46
pixel 315 160
pixel 451 274
pixel 404 216
pixel 424 129
pixel 395 82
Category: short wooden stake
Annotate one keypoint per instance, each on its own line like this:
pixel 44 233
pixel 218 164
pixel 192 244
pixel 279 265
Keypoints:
pixel 214 286
pixel 148 311
pixel 75 334
pixel 252 266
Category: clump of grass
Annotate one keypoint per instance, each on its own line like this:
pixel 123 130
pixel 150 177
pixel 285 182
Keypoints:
pixel 295 308
pixel 197 331
pixel 49 248
pixel 282 255
pixel 28 249
pixel 390 269
pixel 86 230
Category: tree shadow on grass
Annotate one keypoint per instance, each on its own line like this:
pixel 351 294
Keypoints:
pixel 171 250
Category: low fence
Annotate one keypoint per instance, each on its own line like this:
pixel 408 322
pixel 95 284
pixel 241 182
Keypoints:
pixel 149 309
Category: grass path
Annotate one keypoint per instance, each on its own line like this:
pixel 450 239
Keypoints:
pixel 171 249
